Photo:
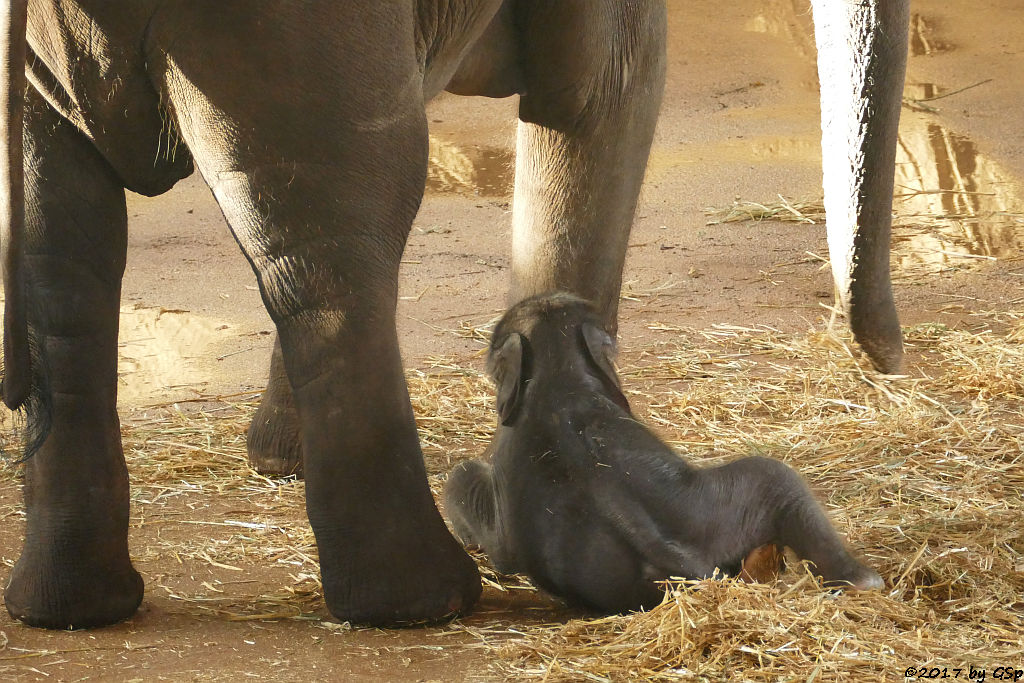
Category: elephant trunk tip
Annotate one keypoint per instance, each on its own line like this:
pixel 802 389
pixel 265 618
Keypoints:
pixel 884 350
pixel 891 364
pixel 875 323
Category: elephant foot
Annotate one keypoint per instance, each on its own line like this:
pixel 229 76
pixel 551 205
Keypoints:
pixel 413 578
pixel 273 442
pixel 49 589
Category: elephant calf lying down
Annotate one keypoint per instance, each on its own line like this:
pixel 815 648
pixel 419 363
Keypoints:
pixel 593 506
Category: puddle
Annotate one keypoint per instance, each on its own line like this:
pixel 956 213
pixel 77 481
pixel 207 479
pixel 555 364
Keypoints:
pixel 922 37
pixel 964 203
pixel 962 207
pixel 792 21
pixel 159 354
pixel 789 20
pixel 920 92
pixel 474 171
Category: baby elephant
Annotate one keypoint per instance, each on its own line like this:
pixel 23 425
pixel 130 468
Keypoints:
pixel 593 506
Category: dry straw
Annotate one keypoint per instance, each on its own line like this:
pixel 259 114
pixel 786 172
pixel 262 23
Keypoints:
pixel 923 473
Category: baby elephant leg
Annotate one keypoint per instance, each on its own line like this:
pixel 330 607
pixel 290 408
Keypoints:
pixel 470 504
pixel 777 499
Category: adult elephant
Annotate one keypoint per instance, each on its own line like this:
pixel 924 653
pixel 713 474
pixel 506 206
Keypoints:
pixel 307 121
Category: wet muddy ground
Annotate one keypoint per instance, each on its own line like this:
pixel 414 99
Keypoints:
pixel 739 122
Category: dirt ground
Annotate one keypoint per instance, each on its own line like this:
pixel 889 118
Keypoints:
pixel 739 121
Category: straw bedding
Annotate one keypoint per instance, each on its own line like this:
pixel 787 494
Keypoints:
pixel 923 473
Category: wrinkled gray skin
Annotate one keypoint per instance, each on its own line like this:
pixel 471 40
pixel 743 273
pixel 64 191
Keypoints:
pixel 307 121
pixel 594 507
pixel 862 60
pixel 862 53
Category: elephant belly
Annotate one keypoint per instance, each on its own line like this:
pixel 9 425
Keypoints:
pixel 86 59
pixel 467 47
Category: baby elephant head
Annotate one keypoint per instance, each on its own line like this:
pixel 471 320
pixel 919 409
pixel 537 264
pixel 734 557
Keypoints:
pixel 547 347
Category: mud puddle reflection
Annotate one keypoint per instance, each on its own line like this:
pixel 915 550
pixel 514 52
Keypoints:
pixel 955 206
pixel 923 40
pixel 469 170
pixel 161 354
pixel 792 21
pixel 952 201
pixel 789 20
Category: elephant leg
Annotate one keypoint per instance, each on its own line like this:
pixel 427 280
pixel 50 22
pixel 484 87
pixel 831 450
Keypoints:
pixel 320 184
pixel 471 506
pixel 759 500
pixel 385 554
pixel 74 570
pixel 585 131
pixel 274 441
pixel 862 59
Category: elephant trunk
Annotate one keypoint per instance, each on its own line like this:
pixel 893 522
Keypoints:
pixel 17 358
pixel 862 58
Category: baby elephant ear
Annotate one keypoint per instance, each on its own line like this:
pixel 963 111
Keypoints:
pixel 507 369
pixel 601 350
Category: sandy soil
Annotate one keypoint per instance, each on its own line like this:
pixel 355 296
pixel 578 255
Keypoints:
pixel 739 121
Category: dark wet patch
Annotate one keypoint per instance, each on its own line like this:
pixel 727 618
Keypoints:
pixel 470 170
pixel 953 202
pixel 923 40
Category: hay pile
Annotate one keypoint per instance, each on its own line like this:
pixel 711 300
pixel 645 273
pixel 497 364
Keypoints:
pixel 782 209
pixel 923 473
